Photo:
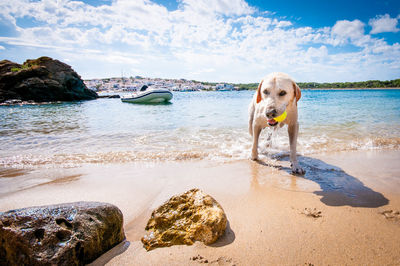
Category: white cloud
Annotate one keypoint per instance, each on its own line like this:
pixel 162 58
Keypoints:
pixel 319 53
pixel 2 47
pixel 20 42
pixel 344 29
pixel 224 40
pixel 202 71
pixel 283 23
pixel 225 7
pixel 383 24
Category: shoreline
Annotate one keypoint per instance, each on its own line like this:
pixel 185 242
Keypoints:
pixel 350 88
pixel 270 212
pixel 115 95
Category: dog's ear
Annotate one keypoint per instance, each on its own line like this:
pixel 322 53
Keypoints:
pixel 259 98
pixel 297 92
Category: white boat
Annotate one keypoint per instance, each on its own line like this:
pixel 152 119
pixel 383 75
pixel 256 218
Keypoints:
pixel 148 95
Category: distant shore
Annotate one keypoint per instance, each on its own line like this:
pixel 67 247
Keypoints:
pixel 114 94
pixel 350 88
pixel 135 83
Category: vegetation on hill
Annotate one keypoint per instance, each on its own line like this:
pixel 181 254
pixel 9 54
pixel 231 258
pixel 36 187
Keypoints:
pixel 334 85
pixel 361 84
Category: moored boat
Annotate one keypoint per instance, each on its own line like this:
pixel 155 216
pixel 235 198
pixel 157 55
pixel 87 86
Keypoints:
pixel 148 95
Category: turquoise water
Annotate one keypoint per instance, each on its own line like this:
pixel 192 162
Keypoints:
pixel 196 125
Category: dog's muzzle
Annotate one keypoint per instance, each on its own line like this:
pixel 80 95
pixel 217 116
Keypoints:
pixel 272 122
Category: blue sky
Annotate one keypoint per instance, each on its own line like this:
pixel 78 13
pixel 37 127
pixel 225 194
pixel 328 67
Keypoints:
pixel 208 40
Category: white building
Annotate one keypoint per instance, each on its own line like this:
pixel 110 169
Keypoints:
pixel 224 87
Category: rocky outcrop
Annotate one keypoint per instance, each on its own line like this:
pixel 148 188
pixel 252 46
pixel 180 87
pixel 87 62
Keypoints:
pixel 110 96
pixel 184 219
pixel 65 234
pixel 41 80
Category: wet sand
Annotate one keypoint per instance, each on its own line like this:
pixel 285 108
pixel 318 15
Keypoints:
pixel 342 212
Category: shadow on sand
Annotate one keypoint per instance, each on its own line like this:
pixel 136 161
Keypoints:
pixel 337 187
pixel 109 255
pixel 227 238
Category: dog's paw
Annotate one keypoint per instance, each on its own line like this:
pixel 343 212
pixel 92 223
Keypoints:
pixel 254 156
pixel 297 170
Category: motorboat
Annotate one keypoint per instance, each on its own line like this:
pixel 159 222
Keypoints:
pixel 148 95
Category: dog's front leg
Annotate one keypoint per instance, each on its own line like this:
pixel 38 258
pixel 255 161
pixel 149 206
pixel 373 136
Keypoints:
pixel 293 131
pixel 256 135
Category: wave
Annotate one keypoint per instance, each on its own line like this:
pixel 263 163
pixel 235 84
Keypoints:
pixel 74 160
pixel 223 150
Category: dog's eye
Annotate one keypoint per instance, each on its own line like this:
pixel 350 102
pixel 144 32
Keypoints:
pixel 266 92
pixel 282 93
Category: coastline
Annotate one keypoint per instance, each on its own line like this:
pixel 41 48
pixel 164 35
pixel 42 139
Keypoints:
pixel 112 94
pixel 264 203
pixel 350 89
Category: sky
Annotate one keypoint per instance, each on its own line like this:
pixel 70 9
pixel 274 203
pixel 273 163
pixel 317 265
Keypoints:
pixel 208 40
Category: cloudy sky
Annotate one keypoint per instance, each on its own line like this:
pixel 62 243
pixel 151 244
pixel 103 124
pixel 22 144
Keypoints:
pixel 208 40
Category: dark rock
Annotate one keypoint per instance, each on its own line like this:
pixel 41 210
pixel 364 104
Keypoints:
pixel 41 80
pixel 64 234
pixel 110 96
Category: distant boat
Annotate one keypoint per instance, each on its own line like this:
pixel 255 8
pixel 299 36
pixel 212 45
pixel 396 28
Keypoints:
pixel 148 95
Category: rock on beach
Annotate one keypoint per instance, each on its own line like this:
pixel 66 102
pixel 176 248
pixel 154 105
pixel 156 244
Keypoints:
pixel 41 80
pixel 184 219
pixel 65 234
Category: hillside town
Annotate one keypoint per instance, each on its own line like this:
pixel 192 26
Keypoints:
pixel 133 84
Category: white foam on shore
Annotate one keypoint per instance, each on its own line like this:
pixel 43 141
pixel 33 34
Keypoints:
pixel 222 144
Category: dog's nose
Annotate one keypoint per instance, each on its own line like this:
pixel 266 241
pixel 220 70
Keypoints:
pixel 271 113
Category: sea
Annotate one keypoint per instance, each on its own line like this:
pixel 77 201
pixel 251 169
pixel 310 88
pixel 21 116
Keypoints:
pixel 194 126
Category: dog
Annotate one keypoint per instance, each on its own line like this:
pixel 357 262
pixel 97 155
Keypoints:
pixel 275 94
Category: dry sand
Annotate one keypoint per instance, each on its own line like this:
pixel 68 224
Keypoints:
pixel 342 212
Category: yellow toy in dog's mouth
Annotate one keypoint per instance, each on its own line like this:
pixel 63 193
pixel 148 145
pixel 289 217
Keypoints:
pixel 281 117
pixel 274 121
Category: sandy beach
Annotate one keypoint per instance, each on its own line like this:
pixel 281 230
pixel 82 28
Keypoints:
pixel 342 212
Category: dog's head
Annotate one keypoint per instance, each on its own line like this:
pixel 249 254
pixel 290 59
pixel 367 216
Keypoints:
pixel 275 93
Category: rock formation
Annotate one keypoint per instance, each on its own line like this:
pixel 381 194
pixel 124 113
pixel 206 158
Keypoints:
pixel 41 80
pixel 64 234
pixel 184 219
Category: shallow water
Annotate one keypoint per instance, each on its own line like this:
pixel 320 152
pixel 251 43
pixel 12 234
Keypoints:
pixel 196 125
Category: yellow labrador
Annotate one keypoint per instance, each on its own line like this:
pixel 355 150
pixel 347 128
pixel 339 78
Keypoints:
pixel 276 94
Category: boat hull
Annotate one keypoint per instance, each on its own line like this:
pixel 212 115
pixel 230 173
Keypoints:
pixel 149 97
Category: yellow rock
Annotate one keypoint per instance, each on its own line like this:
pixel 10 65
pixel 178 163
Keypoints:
pixel 184 219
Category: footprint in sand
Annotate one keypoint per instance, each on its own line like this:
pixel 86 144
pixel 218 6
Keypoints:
pixel 391 215
pixel 219 261
pixel 223 261
pixel 199 259
pixel 312 212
